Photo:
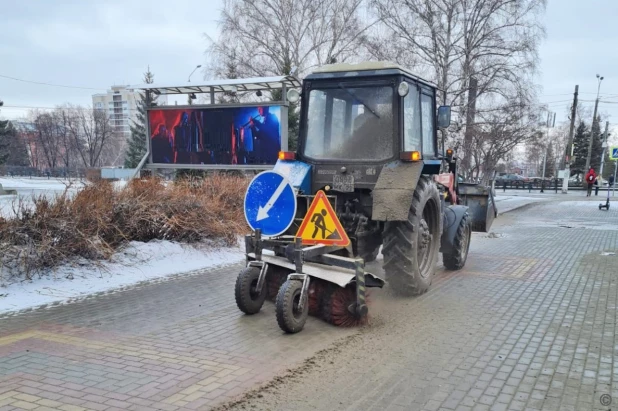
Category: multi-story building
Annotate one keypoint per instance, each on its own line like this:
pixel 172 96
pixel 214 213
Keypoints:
pixel 121 105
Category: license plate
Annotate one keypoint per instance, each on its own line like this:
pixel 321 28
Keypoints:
pixel 343 183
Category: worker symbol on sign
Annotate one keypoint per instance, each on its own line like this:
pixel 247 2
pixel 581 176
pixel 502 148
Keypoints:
pixel 321 225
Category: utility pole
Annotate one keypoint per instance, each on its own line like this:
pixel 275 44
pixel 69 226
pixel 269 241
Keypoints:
pixel 594 120
pixel 544 163
pixel 469 133
pixel 551 119
pixel 569 148
pixel 614 185
pixel 604 148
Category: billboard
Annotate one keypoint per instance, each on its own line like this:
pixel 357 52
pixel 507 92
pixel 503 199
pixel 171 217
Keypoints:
pixel 215 135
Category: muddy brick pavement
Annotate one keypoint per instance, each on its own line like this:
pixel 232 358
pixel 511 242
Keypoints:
pixel 530 323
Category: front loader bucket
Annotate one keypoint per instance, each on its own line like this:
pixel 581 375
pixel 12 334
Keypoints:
pixel 482 207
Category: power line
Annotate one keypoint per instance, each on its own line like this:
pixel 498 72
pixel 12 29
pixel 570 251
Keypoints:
pixel 49 84
pixel 70 108
pixel 569 94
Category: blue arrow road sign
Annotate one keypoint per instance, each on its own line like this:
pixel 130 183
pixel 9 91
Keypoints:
pixel 270 203
pixel 613 153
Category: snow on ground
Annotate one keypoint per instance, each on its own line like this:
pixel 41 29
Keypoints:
pixel 25 184
pixel 133 264
pixel 27 188
pixel 38 186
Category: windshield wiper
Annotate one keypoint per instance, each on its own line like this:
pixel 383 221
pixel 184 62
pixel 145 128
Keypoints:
pixel 358 99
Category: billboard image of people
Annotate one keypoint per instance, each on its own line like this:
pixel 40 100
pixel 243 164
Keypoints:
pixel 215 135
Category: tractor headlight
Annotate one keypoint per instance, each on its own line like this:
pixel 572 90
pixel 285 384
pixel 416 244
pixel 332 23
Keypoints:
pixel 293 95
pixel 403 89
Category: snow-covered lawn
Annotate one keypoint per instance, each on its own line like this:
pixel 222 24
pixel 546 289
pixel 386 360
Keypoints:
pixel 39 186
pixel 133 264
pixel 28 188
pixel 25 184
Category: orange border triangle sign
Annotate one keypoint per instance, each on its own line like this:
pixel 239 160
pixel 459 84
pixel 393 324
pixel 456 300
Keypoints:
pixel 307 228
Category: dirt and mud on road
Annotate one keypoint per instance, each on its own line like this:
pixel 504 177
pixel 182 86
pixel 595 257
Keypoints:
pixel 528 324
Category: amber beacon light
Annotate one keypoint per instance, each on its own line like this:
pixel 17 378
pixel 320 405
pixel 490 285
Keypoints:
pixel 410 156
pixel 286 155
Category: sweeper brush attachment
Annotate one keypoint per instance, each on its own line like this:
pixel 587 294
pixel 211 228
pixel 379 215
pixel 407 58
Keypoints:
pixel 336 307
pixel 304 281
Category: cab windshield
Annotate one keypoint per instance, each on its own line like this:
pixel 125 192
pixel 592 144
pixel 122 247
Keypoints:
pixel 350 123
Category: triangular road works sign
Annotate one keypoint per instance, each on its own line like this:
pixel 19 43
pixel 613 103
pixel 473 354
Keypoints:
pixel 321 225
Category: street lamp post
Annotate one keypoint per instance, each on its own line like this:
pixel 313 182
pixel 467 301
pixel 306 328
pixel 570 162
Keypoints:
pixel 594 120
pixel 196 67
pixel 191 96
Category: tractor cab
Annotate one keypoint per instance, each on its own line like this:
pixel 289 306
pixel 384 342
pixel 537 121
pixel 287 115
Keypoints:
pixel 356 118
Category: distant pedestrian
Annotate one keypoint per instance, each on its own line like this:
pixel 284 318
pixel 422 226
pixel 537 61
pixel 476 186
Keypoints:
pixel 611 181
pixel 591 177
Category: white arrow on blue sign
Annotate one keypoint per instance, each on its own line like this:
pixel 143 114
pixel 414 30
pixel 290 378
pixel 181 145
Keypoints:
pixel 270 203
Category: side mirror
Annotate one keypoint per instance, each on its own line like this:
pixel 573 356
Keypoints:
pixel 444 116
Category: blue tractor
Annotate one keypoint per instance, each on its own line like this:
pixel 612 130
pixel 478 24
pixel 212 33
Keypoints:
pixel 368 142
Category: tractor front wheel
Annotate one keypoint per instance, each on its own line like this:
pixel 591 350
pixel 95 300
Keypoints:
pixel 411 247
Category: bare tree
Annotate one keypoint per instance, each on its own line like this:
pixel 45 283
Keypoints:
pixel 46 137
pixel 481 53
pixel 498 133
pixel 270 37
pixel 62 118
pixel 91 132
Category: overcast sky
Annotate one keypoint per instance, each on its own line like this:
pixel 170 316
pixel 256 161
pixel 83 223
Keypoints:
pixel 99 43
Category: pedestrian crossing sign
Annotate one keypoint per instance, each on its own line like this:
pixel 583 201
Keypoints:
pixel 321 225
pixel 613 153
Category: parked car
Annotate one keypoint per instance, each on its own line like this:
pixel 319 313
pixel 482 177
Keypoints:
pixel 511 180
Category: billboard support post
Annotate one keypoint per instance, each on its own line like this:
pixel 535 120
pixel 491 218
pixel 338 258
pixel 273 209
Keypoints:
pixel 284 127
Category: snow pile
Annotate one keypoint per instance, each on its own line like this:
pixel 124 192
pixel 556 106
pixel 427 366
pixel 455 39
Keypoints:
pixel 132 264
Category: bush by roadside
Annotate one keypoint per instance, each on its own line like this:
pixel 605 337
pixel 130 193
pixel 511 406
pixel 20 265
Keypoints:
pixel 97 220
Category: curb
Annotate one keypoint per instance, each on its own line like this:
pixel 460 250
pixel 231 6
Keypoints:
pixel 518 207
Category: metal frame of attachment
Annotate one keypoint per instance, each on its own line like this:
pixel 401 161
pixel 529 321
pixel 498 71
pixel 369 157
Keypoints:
pixel 262 277
pixel 294 252
pixel 360 307
pixel 304 292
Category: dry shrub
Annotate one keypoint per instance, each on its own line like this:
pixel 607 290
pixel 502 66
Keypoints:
pixel 98 219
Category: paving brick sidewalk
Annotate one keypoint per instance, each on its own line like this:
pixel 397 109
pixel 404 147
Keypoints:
pixel 177 344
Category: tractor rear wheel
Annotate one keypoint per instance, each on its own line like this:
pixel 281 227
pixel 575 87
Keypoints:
pixel 371 255
pixel 411 247
pixel 457 259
